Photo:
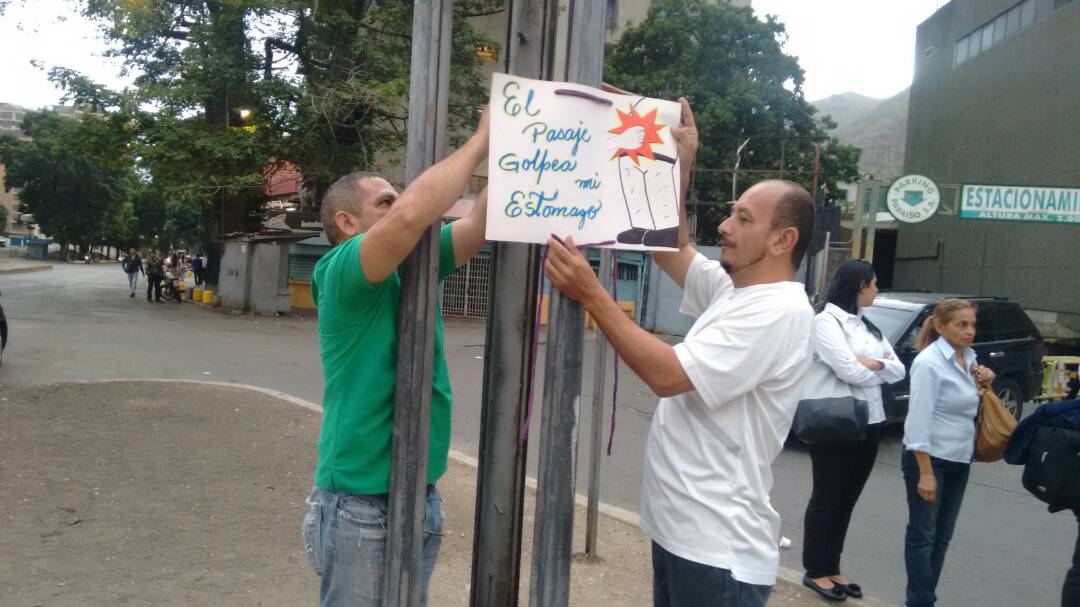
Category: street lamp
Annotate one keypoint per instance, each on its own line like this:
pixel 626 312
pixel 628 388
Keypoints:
pixel 735 172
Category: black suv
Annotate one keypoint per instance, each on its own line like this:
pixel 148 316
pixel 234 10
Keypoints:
pixel 1005 340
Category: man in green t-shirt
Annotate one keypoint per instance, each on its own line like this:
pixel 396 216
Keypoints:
pixel 357 291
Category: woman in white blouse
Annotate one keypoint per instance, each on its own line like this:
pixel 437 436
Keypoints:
pixel 860 355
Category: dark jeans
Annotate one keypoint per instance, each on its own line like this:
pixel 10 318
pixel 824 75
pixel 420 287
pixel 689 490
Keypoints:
pixel 678 582
pixel 930 525
pixel 1070 594
pixel 840 473
pixel 153 285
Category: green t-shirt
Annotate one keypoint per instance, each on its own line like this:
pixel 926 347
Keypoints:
pixel 358 341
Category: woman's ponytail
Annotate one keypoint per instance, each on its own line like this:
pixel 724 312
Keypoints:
pixel 943 312
pixel 927 334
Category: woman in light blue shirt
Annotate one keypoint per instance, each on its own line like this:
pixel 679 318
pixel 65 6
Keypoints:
pixel 939 440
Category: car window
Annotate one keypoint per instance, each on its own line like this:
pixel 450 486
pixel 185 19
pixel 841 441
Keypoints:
pixel 890 320
pixel 1012 323
pixel 985 325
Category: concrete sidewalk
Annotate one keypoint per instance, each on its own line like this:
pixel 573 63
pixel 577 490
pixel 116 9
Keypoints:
pixel 18 265
pixel 180 493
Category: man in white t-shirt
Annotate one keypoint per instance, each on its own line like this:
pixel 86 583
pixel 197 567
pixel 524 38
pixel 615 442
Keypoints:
pixel 729 391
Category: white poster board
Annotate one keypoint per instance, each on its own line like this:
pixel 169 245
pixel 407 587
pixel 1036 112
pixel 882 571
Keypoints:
pixel 577 161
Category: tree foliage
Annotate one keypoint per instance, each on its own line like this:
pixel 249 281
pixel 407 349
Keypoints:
pixel 74 176
pixel 733 70
pixel 227 89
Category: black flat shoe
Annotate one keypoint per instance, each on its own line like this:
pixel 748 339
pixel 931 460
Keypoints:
pixel 852 590
pixel 832 594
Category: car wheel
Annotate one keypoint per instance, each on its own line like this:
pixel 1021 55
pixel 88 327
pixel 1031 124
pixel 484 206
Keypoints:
pixel 1011 396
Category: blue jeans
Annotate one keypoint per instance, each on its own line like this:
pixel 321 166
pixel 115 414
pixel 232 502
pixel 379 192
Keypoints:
pixel 678 582
pixel 930 525
pixel 345 539
pixel 133 281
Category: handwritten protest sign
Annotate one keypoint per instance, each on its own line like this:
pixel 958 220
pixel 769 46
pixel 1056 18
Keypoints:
pixel 573 160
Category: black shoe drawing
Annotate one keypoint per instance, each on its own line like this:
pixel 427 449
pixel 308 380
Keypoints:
pixel 668 237
pixel 631 236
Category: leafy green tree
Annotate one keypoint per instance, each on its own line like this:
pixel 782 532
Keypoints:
pixel 74 176
pixel 3 220
pixel 355 58
pixel 733 70
pixel 237 85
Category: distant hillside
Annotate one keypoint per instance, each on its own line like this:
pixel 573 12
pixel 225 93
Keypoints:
pixel 878 126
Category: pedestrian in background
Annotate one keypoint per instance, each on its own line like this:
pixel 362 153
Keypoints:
pixel 155 273
pixel 197 268
pixel 132 265
pixel 854 348
pixel 939 440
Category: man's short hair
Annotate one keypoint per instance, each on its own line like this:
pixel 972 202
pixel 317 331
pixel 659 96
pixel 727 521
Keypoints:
pixel 795 209
pixel 343 195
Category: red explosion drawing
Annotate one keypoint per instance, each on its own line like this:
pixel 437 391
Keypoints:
pixel 632 119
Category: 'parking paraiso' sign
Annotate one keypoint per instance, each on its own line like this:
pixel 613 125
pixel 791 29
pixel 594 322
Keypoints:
pixel 1020 203
pixel 913 198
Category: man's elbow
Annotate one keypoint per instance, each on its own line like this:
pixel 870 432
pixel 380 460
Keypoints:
pixel 666 388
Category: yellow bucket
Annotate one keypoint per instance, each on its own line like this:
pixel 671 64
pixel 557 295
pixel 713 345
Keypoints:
pixel 181 286
pixel 207 296
pixel 197 294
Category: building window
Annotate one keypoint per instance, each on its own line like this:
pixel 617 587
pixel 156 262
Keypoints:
pixel 1013 21
pixel 999 29
pixel 988 37
pixel 974 45
pixel 1027 13
pixel 961 51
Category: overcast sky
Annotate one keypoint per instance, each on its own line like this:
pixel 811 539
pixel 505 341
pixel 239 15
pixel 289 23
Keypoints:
pixel 866 46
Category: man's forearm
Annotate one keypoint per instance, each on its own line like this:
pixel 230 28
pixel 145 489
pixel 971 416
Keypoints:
pixel 684 194
pixel 431 194
pixel 654 361
pixel 676 263
pixel 426 200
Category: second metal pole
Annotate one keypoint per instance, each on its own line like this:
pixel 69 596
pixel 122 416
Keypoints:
pixel 508 358
pixel 592 516
pixel 553 530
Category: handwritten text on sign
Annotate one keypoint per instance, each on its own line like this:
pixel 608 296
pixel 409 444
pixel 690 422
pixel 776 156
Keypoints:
pixel 574 160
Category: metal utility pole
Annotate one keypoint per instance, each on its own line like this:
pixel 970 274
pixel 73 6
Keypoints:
pixel 735 171
pixel 553 531
pixel 428 93
pixel 592 516
pixel 508 356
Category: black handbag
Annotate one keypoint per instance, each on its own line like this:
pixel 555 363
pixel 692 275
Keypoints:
pixel 828 411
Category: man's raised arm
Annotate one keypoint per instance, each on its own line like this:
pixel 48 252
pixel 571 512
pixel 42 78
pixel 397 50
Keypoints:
pixel 423 203
pixel 676 263
pixel 469 231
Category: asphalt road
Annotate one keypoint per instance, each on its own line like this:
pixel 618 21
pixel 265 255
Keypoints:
pixel 77 322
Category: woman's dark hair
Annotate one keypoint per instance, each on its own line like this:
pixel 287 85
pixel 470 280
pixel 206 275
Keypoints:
pixel 851 277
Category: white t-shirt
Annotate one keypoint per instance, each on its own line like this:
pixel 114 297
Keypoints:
pixel 709 455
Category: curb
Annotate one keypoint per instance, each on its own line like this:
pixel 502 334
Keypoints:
pixel 25 269
pixel 622 515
